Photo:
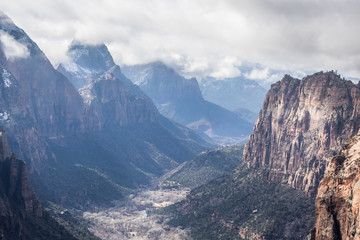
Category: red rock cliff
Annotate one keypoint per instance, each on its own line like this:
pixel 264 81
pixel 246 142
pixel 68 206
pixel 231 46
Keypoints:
pixel 338 198
pixel 301 125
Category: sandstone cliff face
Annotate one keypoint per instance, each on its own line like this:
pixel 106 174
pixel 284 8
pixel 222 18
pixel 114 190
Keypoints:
pixel 17 195
pixel 108 103
pixel 338 198
pixel 301 125
pixel 54 103
pixel 36 101
pixel 18 201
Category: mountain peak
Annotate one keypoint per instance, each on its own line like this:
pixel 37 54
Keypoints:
pixel 86 62
pixel 90 56
pixel 300 126
pixel 8 26
pixel 5 21
pixel 15 43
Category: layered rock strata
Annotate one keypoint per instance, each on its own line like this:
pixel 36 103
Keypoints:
pixel 338 198
pixel 301 125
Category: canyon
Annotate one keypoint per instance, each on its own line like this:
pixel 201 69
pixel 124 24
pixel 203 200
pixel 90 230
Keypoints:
pixel 271 195
pixel 137 158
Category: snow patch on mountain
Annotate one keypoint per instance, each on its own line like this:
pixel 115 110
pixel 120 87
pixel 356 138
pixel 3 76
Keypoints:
pixel 4 117
pixel 87 95
pixel 141 78
pixel 72 67
pixel 6 78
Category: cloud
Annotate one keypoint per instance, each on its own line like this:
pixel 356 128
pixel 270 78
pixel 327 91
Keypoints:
pixel 258 74
pixel 201 34
pixel 12 48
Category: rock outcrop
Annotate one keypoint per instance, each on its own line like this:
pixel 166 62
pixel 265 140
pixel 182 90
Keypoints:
pixel 18 201
pixel 301 125
pixel 338 198
pixel 108 103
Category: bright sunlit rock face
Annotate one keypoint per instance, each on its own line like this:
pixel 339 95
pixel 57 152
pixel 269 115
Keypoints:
pixel 301 125
pixel 338 197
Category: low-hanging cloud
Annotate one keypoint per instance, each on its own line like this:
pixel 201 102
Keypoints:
pixel 12 48
pixel 201 37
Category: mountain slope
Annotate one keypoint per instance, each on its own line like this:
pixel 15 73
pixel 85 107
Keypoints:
pixel 180 99
pixel 233 93
pixel 299 128
pixel 83 152
pixel 126 141
pixel 245 205
pixel 206 166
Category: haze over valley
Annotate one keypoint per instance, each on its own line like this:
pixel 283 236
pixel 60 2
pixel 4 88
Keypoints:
pixel 179 120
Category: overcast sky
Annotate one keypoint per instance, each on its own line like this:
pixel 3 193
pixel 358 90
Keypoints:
pixel 201 37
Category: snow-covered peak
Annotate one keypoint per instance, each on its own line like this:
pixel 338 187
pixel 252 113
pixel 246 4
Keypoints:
pixel 86 63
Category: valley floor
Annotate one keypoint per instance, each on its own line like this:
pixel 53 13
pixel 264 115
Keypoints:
pixel 136 218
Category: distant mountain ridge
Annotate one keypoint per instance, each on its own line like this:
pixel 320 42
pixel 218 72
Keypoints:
pixel 233 93
pixel 180 99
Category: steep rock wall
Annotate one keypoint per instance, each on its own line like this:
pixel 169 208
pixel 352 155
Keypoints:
pixel 301 125
pixel 338 198
pixel 18 201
